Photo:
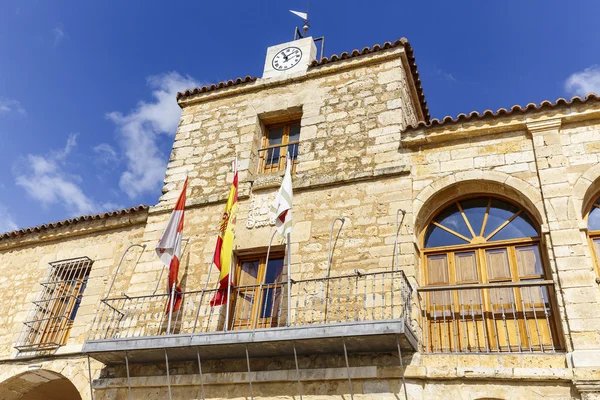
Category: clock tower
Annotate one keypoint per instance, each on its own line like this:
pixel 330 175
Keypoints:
pixel 289 59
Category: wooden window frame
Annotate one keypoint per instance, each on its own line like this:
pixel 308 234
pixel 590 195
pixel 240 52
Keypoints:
pixel 593 235
pixel 254 320
pixel 265 168
pixel 480 248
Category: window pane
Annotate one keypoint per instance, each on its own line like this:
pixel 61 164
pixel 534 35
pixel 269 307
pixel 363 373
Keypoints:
pixel 597 248
pixel 437 269
pixel 274 269
pixel 497 264
pixel 528 261
pixel 520 227
pixel 293 150
pixel 465 265
pixel 294 132
pixel 248 273
pixel 475 211
pixel 270 302
pixel 594 219
pixel 436 236
pixel 500 212
pixel 274 136
pixel 452 218
pixel 272 157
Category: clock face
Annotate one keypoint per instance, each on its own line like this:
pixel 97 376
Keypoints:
pixel 287 58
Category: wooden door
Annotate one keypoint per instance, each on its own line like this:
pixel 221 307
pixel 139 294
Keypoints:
pixel 257 296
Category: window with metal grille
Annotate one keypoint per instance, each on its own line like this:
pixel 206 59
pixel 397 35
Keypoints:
pixel 279 139
pixel 52 314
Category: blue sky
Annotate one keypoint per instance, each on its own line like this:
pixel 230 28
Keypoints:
pixel 87 89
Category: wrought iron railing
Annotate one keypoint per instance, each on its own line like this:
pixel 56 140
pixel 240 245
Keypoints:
pixel 486 318
pixel 357 297
pixel 272 159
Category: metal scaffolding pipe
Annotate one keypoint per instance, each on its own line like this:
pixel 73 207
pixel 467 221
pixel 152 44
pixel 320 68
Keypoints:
pixel 90 376
pixel 401 367
pixel 128 377
pixel 297 370
pixel 249 372
pixel 212 262
pixel 168 376
pixel 348 369
pixel 396 252
pixel 143 246
pixel 330 250
pixel 329 258
pixel 200 369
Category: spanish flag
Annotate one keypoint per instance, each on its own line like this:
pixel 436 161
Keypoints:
pixel 224 249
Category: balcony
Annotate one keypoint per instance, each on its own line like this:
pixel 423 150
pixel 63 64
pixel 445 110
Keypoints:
pixel 507 317
pixel 351 313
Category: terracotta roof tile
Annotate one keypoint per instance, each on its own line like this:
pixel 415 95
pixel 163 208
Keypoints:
pixel 216 86
pixel 355 53
pixel 516 109
pixel 387 45
pixel 72 221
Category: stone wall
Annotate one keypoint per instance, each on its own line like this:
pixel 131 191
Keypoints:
pixel 357 160
pixel 25 265
pixel 352 117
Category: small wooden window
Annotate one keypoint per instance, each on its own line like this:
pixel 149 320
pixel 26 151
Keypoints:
pixel 279 139
pixel 54 311
pixel 257 294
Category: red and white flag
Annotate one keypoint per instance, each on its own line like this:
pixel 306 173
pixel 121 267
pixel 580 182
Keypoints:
pixel 169 248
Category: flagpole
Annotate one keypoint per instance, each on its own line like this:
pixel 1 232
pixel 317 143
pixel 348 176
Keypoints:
pixel 264 277
pixel 228 296
pixel 289 277
pixel 171 308
pixel 202 293
pixel 230 263
pixel 289 260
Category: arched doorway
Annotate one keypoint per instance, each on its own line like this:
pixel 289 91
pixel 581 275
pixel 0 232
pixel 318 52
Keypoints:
pixel 38 385
pixel 486 284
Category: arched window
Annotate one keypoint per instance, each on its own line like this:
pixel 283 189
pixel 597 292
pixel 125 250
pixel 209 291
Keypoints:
pixel 485 287
pixel 593 222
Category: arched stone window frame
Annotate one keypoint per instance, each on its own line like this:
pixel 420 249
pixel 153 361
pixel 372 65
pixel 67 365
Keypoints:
pixel 475 248
pixel 593 232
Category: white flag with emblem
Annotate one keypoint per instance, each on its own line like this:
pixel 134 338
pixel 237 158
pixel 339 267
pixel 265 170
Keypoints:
pixel 281 209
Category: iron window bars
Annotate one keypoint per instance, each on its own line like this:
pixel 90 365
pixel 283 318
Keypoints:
pixel 50 319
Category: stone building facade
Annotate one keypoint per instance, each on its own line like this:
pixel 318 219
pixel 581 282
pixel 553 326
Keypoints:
pixel 429 259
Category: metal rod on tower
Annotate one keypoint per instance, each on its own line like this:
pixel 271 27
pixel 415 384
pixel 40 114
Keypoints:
pixel 398 222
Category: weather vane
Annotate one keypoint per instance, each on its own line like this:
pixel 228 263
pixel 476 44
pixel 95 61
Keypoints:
pixel 304 16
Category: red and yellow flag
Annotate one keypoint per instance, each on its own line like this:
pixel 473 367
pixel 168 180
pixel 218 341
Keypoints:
pixel 224 249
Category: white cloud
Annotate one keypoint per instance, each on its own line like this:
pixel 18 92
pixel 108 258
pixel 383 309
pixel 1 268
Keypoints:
pixel 444 75
pixel 140 129
pixel 7 222
pixel 9 106
pixel 59 34
pixel 584 82
pixel 106 154
pixel 46 180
